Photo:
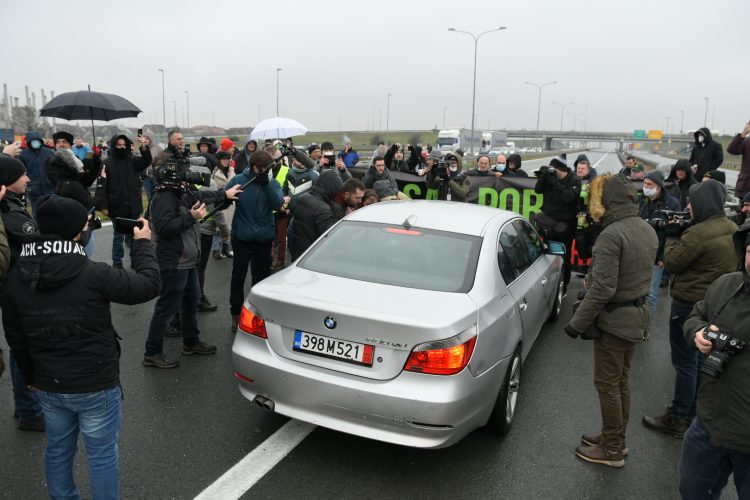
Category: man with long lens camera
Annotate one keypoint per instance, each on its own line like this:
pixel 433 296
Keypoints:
pixel 175 209
pixel 448 178
pixel 718 440
pixel 695 255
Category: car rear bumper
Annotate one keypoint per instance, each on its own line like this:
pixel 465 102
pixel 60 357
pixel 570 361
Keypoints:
pixel 413 409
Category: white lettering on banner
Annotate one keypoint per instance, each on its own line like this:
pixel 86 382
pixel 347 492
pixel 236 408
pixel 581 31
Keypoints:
pixel 58 247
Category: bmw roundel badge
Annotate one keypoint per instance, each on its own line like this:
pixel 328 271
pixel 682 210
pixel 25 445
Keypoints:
pixel 330 322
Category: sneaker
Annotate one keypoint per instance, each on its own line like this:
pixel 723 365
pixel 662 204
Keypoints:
pixel 35 424
pixel 668 424
pixel 597 454
pixel 205 306
pixel 198 348
pixel 595 440
pixel 160 361
pixel 118 265
pixel 226 252
pixel 217 254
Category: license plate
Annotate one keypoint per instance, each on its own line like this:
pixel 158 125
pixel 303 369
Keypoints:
pixel 342 350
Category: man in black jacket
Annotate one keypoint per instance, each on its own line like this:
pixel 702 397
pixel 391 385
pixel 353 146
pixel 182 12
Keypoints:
pixel 706 155
pixel 57 320
pixel 20 228
pixel 561 189
pixel 174 213
pixel 718 441
pixel 123 187
pixel 312 213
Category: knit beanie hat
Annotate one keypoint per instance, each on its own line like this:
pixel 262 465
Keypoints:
pixel 226 143
pixel 64 217
pixel 435 155
pixel 657 177
pixel 560 162
pixel 581 157
pixel 63 135
pixel 326 146
pixel 312 147
pixel 11 170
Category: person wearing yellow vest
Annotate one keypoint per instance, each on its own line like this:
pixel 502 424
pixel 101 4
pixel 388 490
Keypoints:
pixel 282 216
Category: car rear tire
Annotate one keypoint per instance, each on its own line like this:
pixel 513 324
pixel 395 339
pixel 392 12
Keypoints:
pixel 557 304
pixel 504 412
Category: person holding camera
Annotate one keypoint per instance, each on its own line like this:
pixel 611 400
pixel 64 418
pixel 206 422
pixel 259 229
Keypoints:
pixel 695 258
pixel 56 317
pixel 123 187
pixel 561 190
pixel 448 178
pixel 651 206
pixel 329 161
pixel 717 442
pixel 615 303
pixel 175 209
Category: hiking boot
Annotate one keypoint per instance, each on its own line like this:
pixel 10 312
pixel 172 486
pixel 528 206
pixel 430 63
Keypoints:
pixel 595 440
pixel 668 424
pixel 235 323
pixel 160 361
pixel 226 252
pixel 598 454
pixel 118 265
pixel 217 254
pixel 35 424
pixel 205 306
pixel 198 348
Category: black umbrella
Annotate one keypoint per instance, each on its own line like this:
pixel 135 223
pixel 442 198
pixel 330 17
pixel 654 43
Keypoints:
pixel 88 105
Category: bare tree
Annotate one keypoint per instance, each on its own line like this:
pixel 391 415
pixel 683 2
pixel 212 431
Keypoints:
pixel 26 118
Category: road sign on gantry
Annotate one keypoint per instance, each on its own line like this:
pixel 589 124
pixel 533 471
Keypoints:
pixel 639 134
pixel 654 134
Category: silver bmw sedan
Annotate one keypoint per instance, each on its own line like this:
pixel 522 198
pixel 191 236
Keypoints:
pixel 407 322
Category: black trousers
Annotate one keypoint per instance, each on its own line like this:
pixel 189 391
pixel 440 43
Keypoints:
pixel 206 240
pixel 251 254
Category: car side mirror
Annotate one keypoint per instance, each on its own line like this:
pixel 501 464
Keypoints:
pixel 555 248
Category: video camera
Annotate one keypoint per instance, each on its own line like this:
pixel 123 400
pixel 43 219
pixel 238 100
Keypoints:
pixel 724 347
pixel 175 174
pixel 672 223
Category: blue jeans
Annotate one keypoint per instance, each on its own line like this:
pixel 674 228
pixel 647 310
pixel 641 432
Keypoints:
pixel 180 290
pixel 90 246
pixel 97 416
pixel 705 467
pixel 117 251
pixel 653 295
pixel 27 402
pixel 216 242
pixel 686 361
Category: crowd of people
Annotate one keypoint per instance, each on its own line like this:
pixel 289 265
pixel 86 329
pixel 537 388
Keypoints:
pixel 259 202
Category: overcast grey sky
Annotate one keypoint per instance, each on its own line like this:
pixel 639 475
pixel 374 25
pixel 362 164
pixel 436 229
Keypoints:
pixel 633 62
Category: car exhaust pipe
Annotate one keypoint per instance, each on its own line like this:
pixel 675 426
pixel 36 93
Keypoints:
pixel 264 403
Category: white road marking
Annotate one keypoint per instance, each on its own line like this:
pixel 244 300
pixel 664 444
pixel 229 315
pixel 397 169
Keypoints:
pixel 601 159
pixel 256 464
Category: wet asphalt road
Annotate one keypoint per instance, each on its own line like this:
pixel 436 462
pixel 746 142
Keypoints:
pixel 183 428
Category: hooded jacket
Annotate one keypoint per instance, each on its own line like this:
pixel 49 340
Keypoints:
pixel 242 158
pixel 458 184
pixel 35 162
pixel 20 226
pixel 72 178
pixel 253 219
pixel 392 164
pixel 723 405
pixel 621 266
pixel 312 213
pixel 383 183
pixel 560 196
pixel 56 313
pixel 123 186
pixel 741 146
pixel 680 189
pixel 708 155
pixel 705 250
pixel 350 159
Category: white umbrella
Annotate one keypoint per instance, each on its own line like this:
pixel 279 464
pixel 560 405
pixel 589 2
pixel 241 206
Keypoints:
pixel 278 128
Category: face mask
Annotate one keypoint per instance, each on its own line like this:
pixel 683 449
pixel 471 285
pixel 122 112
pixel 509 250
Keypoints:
pixel 500 167
pixel 650 191
pixel 453 168
pixel 36 144
pixel 701 139
pixel 120 151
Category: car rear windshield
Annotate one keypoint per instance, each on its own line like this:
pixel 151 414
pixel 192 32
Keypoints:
pixel 394 255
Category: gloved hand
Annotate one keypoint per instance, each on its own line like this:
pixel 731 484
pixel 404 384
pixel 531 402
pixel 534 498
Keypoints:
pixel 570 331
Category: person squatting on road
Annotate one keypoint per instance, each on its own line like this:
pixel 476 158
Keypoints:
pixel 617 285
pixel 696 258
pixel 718 441
pixel 175 210
pixel 56 316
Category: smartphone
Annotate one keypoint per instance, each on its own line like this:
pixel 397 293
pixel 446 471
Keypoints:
pixel 140 132
pixel 331 160
pixel 125 226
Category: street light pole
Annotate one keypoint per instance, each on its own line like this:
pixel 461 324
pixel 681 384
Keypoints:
pixel 278 70
pixel 163 100
pixel 444 108
pixel 682 119
pixel 705 116
pixel 387 118
pixel 539 102
pixel 174 103
pixel 562 112
pixel 187 99
pixel 474 87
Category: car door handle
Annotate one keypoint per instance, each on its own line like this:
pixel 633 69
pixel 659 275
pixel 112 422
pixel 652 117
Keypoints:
pixel 523 305
pixel 544 281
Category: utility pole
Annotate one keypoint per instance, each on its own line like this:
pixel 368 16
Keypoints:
pixel 163 100
pixel 187 100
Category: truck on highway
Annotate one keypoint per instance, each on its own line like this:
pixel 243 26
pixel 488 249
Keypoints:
pixel 460 138
pixel 493 140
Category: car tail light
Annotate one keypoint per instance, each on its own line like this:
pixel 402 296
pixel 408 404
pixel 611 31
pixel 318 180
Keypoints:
pixel 443 357
pixel 253 323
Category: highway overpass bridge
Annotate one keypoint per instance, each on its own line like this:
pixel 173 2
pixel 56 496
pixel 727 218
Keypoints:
pixel 620 138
